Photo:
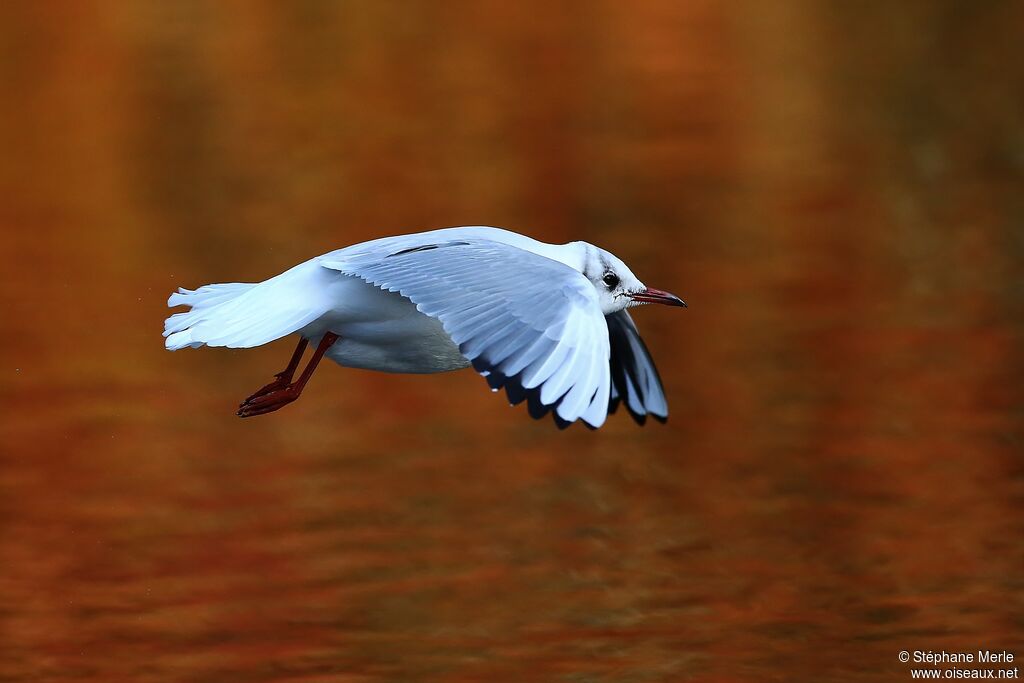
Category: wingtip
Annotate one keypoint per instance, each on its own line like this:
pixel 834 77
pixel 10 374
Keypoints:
pixel 559 422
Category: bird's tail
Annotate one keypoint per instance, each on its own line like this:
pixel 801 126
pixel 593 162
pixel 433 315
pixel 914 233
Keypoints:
pixel 242 314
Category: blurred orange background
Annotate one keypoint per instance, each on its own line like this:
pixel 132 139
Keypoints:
pixel 835 188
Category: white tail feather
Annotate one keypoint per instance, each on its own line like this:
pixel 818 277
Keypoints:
pixel 208 295
pixel 242 314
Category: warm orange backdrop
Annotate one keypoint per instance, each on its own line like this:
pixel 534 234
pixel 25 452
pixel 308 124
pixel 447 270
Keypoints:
pixel 836 188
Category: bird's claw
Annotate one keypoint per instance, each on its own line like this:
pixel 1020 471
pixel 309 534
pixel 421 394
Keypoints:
pixel 261 404
pixel 281 382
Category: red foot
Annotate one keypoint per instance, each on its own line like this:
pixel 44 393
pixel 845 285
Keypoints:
pixel 282 390
pixel 261 404
pixel 280 383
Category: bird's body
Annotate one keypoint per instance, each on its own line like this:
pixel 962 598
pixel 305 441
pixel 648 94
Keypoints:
pixel 528 315
pixel 377 329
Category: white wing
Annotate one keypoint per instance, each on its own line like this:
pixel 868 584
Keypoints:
pixel 635 380
pixel 529 324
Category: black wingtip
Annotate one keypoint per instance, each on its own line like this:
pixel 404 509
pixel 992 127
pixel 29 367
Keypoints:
pixel 517 393
pixel 632 368
pixel 534 407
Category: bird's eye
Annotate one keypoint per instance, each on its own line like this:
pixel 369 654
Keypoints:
pixel 611 279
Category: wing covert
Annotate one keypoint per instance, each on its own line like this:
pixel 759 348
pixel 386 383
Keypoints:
pixel 528 324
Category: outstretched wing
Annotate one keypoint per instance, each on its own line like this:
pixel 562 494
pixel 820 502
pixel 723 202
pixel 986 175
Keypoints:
pixel 529 324
pixel 635 380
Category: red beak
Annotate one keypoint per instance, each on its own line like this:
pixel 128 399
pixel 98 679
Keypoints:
pixel 656 296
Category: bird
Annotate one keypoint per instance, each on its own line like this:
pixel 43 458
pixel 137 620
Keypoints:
pixel 548 323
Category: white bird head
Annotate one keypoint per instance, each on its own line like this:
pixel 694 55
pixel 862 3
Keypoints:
pixel 616 285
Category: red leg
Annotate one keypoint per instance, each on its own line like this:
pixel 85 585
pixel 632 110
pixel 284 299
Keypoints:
pixel 278 398
pixel 284 377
